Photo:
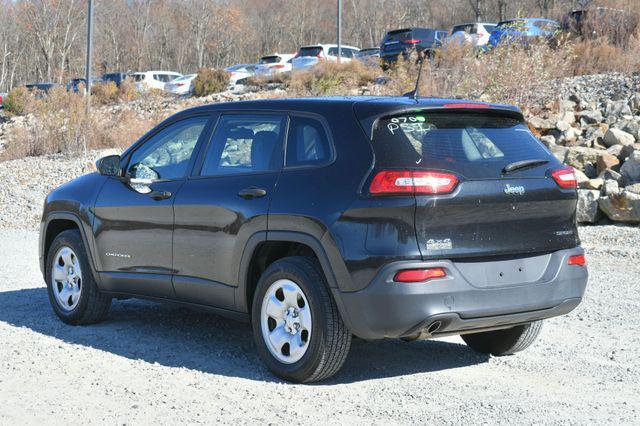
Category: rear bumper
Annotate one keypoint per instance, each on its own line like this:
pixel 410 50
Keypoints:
pixel 473 297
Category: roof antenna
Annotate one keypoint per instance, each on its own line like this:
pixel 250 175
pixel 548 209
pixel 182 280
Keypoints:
pixel 416 91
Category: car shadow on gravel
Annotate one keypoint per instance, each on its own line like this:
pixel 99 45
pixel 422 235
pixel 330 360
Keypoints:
pixel 178 337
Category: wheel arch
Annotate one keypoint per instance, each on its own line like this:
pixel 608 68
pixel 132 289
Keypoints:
pixel 279 244
pixel 56 223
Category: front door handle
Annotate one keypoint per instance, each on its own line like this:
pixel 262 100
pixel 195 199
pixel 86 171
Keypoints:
pixel 160 195
pixel 251 193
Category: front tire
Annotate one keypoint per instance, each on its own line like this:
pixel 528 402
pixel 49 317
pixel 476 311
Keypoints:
pixel 504 342
pixel 73 292
pixel 297 328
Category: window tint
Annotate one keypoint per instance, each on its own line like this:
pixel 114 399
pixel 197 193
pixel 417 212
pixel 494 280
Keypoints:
pixel 476 145
pixel 310 51
pixel 166 155
pixel 307 143
pixel 270 59
pixel 245 143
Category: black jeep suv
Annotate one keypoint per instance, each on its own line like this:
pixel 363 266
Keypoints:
pixel 319 219
pixel 407 41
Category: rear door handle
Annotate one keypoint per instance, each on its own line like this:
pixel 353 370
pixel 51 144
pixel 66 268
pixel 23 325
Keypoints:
pixel 251 193
pixel 160 195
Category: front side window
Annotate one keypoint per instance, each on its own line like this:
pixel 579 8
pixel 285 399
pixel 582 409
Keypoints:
pixel 245 143
pixel 307 143
pixel 166 155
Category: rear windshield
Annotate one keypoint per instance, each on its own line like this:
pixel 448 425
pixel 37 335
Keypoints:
pixel 475 145
pixel 310 51
pixel 270 59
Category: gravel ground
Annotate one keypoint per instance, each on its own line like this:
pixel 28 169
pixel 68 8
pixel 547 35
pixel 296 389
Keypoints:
pixel 161 364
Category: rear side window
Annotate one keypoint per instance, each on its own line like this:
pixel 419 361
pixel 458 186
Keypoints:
pixel 307 143
pixel 398 35
pixel 476 145
pixel 310 51
pixel 270 60
pixel 245 143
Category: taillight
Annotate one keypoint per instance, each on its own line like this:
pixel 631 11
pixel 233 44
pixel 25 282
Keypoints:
pixel 319 56
pixel 565 178
pixel 278 66
pixel 577 260
pixel 180 84
pixel 412 41
pixel 419 275
pixel 412 182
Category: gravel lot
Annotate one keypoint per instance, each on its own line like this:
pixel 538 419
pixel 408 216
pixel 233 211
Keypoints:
pixel 161 364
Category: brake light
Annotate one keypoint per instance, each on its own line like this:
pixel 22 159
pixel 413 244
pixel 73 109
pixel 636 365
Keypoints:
pixel 412 182
pixel 565 178
pixel 412 41
pixel 577 260
pixel 320 57
pixel 278 66
pixel 419 275
pixel 180 84
pixel 467 105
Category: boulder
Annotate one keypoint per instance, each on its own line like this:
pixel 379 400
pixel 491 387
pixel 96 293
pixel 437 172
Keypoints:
pixel 587 211
pixel 595 183
pixel 615 150
pixel 615 109
pixel 606 162
pixel 568 117
pixel 579 156
pixel 635 188
pixel 631 168
pixel 563 126
pixel 541 123
pixel 618 137
pixel 610 187
pixel 581 178
pixel 627 150
pixel 548 140
pixel 630 126
pixel 560 152
pixel 621 207
pixel 566 105
pixel 590 117
pixel 634 103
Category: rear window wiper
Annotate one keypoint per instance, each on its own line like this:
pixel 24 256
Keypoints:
pixel 525 164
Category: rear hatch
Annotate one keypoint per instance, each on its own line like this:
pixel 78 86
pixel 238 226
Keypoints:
pixel 483 184
pixel 396 42
pixel 307 57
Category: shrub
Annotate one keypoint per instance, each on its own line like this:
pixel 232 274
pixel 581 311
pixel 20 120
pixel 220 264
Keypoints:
pixel 127 90
pixel 210 81
pixel 104 93
pixel 330 78
pixel 16 101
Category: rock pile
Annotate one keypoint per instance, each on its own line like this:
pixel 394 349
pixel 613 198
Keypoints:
pixel 596 130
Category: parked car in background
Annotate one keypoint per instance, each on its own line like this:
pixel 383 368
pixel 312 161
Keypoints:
pixel 274 64
pixel 42 88
pixel 3 95
pixel 238 74
pixel 74 84
pixel 524 31
pixel 181 85
pixel 369 56
pixel 407 41
pixel 477 33
pixel 616 24
pixel 154 79
pixel 116 77
pixel 308 56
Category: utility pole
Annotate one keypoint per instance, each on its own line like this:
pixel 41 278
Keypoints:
pixel 339 30
pixel 89 52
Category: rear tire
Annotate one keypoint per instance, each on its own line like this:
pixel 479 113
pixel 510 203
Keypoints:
pixel 504 342
pixel 73 292
pixel 292 304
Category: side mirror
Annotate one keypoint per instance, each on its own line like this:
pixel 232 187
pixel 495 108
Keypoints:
pixel 109 165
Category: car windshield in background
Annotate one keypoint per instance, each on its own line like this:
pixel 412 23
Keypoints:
pixel 368 52
pixel 399 35
pixel 475 145
pixel 310 51
pixel 138 77
pixel 270 59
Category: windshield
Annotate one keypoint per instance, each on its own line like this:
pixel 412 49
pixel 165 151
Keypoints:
pixel 476 145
